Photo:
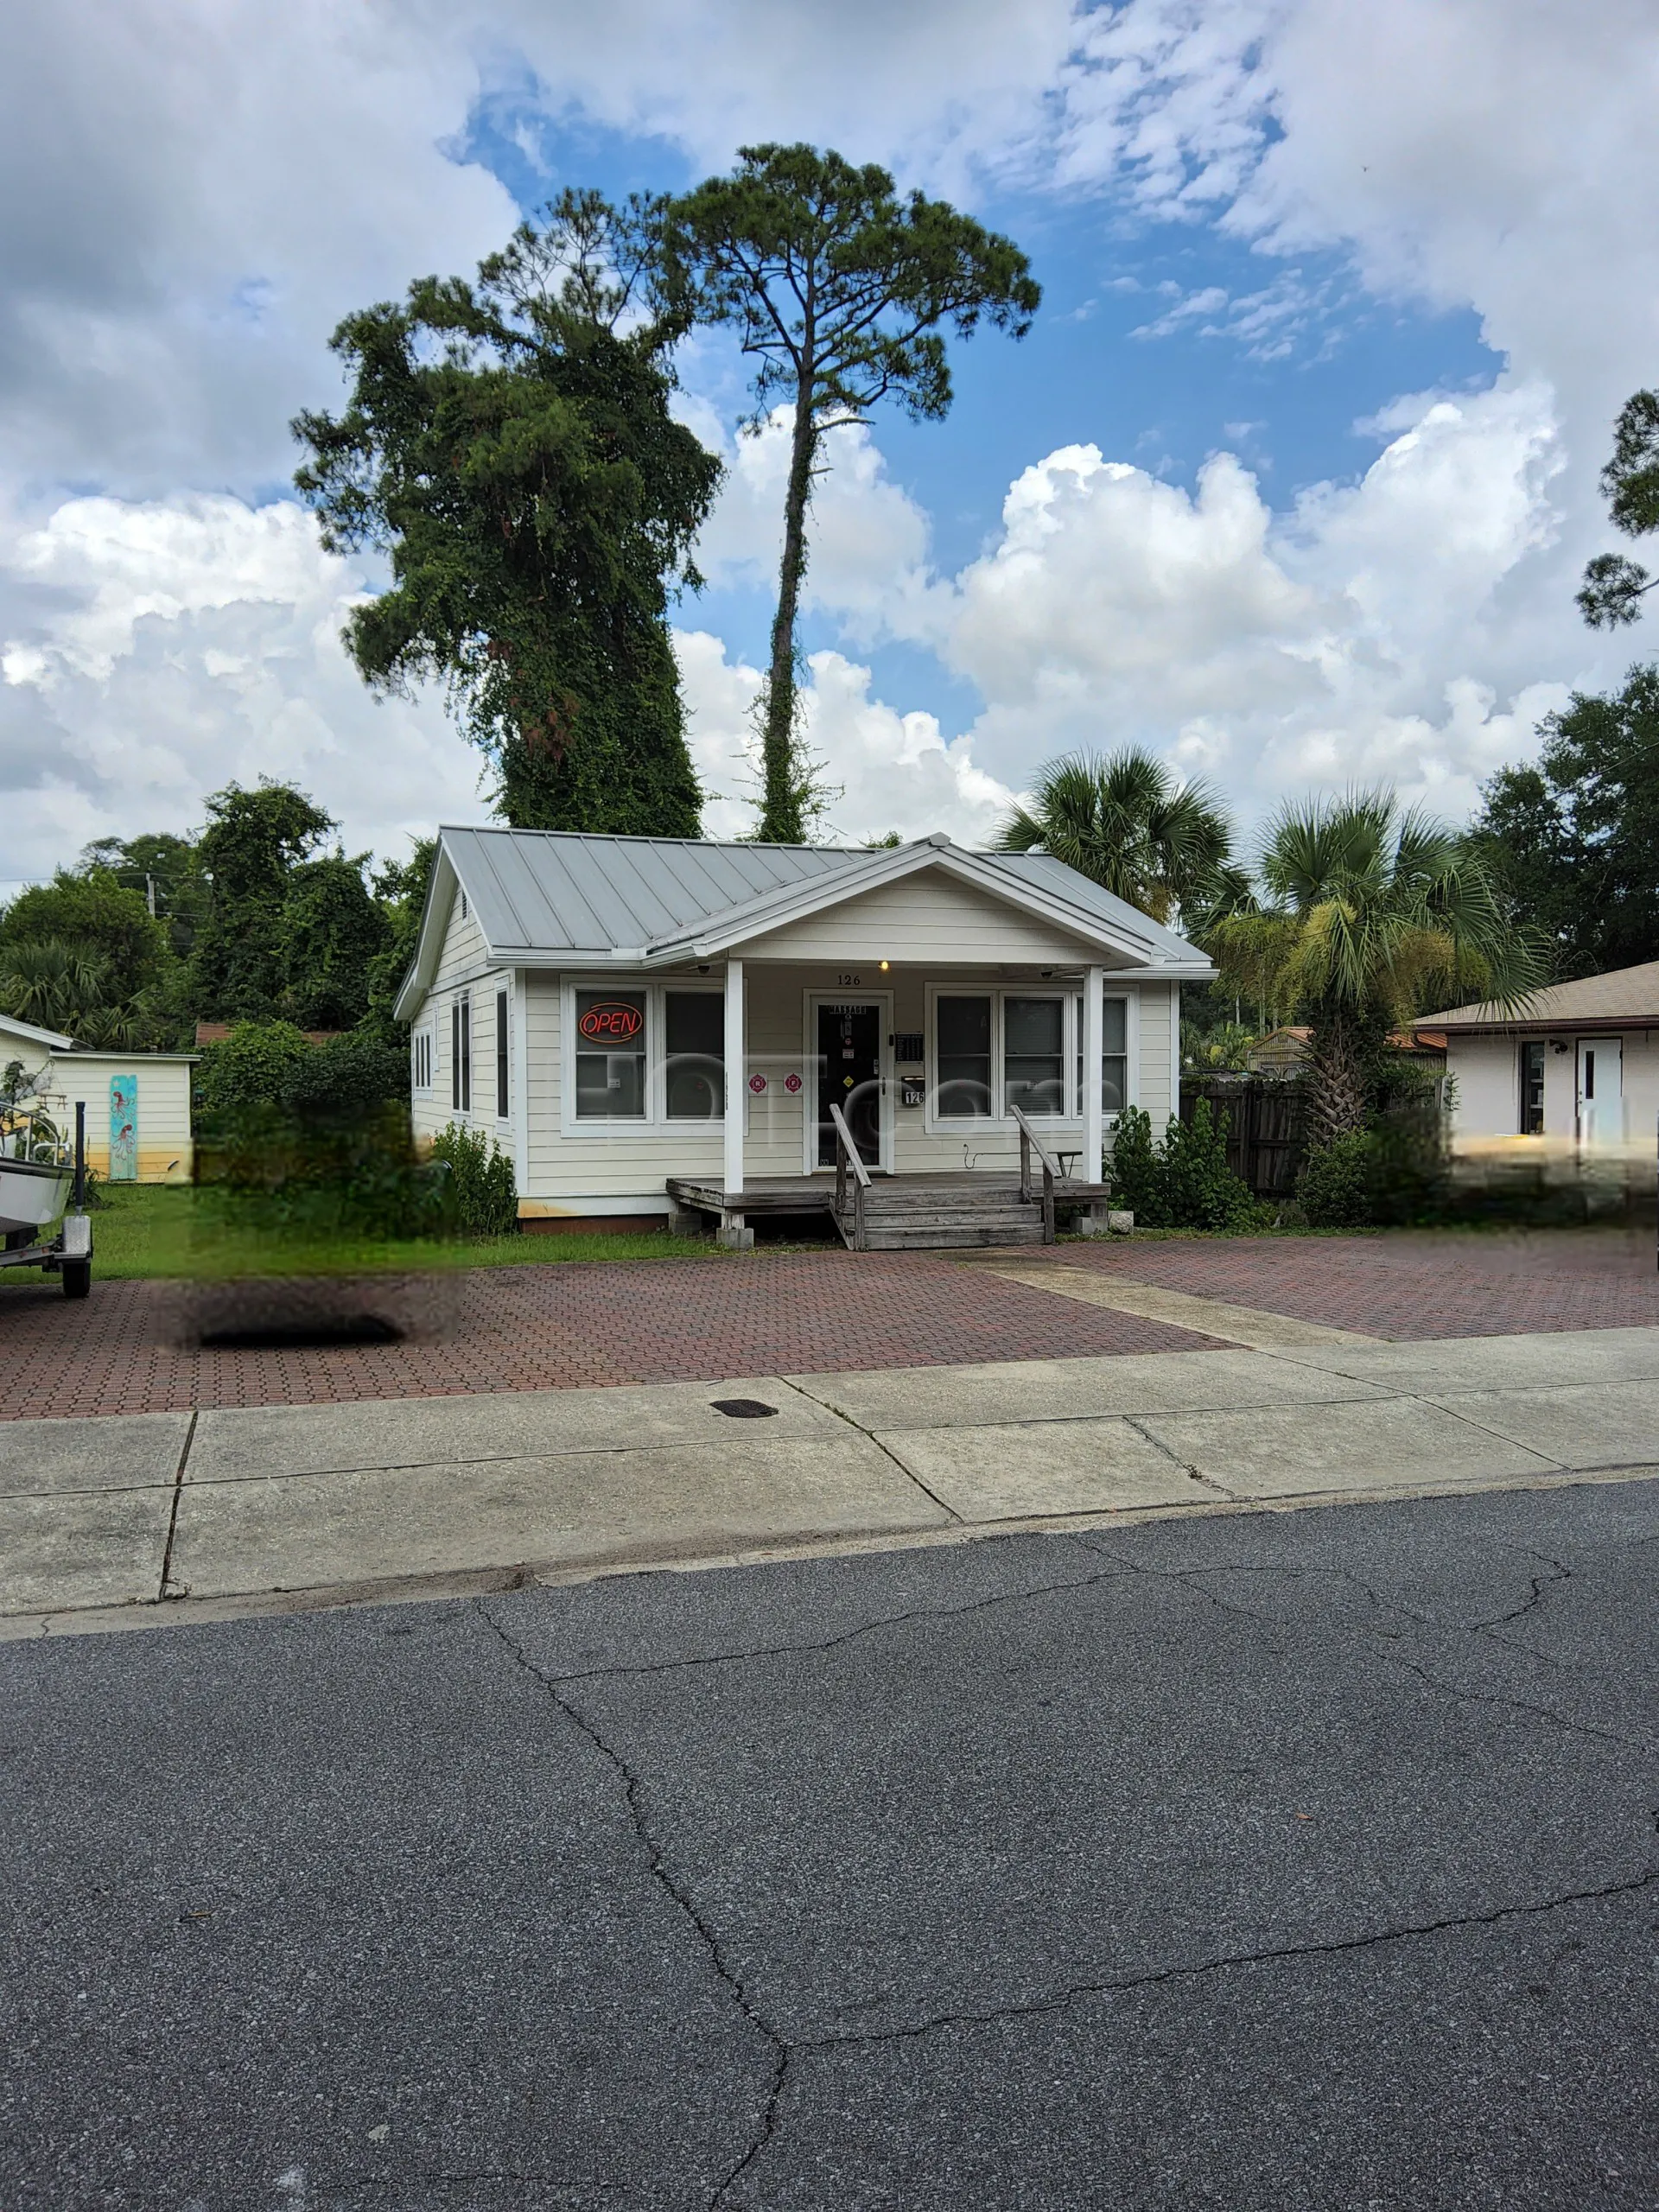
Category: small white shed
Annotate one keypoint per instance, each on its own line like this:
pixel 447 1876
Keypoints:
pixel 600 1004
pixel 1577 1069
pixel 138 1127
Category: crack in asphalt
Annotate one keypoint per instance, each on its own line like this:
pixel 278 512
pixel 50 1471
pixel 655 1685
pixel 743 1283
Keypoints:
pixel 842 1637
pixel 1411 1931
pixel 676 1891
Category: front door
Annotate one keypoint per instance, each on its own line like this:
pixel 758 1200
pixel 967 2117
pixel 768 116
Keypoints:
pixel 850 1075
pixel 1601 1090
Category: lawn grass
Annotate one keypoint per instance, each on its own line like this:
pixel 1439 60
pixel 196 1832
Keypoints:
pixel 158 1232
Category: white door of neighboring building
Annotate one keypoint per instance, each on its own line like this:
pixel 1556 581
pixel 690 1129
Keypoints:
pixel 1601 1090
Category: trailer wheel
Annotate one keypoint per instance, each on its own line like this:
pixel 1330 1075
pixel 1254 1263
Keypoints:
pixel 77 1278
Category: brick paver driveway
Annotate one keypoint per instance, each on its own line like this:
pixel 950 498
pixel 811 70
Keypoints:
pixel 132 1347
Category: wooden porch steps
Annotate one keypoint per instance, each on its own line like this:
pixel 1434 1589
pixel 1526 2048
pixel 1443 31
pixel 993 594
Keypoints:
pixel 911 1218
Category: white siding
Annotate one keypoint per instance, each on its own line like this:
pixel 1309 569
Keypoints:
pixel 1487 1070
pixel 929 916
pixel 166 1152
pixel 622 1168
pixel 461 967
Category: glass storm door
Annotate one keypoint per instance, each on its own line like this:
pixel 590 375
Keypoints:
pixel 849 1074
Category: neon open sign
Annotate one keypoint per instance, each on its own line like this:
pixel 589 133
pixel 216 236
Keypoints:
pixel 614 1024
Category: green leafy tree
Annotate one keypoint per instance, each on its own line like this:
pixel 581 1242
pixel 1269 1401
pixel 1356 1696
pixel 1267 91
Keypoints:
pixel 253 842
pixel 165 869
pixel 1613 584
pixel 100 926
pixel 1574 840
pixel 1373 913
pixel 333 931
pixel 400 887
pixel 1129 823
pixel 509 445
pixel 841 291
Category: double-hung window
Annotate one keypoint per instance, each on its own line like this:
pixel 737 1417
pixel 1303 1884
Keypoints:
pixel 420 1056
pixel 962 1088
pixel 612 1039
pixel 503 1096
pixel 461 1054
pixel 1113 1054
pixel 647 1053
pixel 694 1065
pixel 1033 1056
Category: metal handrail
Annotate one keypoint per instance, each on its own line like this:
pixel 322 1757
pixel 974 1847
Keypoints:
pixel 847 1152
pixel 1028 1138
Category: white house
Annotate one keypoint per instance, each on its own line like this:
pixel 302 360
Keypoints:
pixel 137 1103
pixel 1578 1068
pixel 594 1003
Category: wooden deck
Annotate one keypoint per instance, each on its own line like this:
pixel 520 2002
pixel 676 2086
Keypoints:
pixel 896 1213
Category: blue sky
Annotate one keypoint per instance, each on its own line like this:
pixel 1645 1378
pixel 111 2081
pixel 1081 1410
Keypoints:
pixel 1322 527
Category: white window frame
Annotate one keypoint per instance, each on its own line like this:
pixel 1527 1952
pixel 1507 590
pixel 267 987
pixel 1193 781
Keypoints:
pixel 1069 994
pixel 654 1122
pixel 501 1052
pixel 422 1060
pixel 460 1103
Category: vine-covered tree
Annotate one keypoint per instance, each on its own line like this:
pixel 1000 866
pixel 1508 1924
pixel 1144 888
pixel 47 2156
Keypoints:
pixel 840 291
pixel 509 446
pixel 253 843
pixel 1614 585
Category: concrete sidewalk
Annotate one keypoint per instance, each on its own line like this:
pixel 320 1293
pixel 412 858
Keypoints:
pixel 118 1521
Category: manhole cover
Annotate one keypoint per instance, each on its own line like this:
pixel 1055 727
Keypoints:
pixel 304 1336
pixel 743 1408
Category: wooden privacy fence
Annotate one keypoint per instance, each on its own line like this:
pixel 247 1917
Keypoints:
pixel 1266 1127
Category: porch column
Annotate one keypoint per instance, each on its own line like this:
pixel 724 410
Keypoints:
pixel 736 1095
pixel 1094 1114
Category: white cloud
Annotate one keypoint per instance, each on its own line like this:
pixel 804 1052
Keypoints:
pixel 891 771
pixel 867 540
pixel 1383 631
pixel 154 651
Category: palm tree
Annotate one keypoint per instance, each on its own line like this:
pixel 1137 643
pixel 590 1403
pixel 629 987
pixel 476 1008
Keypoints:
pixel 1371 912
pixel 1128 822
pixel 57 986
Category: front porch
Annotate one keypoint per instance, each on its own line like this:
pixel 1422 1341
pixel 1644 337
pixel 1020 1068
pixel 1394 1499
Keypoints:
pixel 916 1212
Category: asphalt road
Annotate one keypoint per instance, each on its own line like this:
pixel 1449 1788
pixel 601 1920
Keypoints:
pixel 1301 1860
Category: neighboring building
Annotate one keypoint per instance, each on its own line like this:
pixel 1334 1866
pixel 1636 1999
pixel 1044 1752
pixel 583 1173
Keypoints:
pixel 137 1103
pixel 1284 1052
pixel 1578 1067
pixel 593 1002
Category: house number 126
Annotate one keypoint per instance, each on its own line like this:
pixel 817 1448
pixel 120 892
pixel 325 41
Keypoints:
pixel 847 976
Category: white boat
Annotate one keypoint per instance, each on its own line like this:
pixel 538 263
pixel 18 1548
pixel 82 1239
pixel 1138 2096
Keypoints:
pixel 33 1192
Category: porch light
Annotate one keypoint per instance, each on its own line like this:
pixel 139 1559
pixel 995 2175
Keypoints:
pixel 884 967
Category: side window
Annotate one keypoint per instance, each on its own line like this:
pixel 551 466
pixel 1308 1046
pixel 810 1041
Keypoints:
pixel 694 1071
pixel 461 1055
pixel 501 1091
pixel 420 1053
pixel 611 1056
pixel 963 1081
pixel 1532 1088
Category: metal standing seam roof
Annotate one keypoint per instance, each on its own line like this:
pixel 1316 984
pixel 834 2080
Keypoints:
pixel 542 892
pixel 1628 995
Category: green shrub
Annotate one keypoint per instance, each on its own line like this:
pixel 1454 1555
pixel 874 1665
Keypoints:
pixel 1334 1188
pixel 249 1072
pixel 1200 1190
pixel 1185 1183
pixel 1136 1181
pixel 482 1197
pixel 349 1075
